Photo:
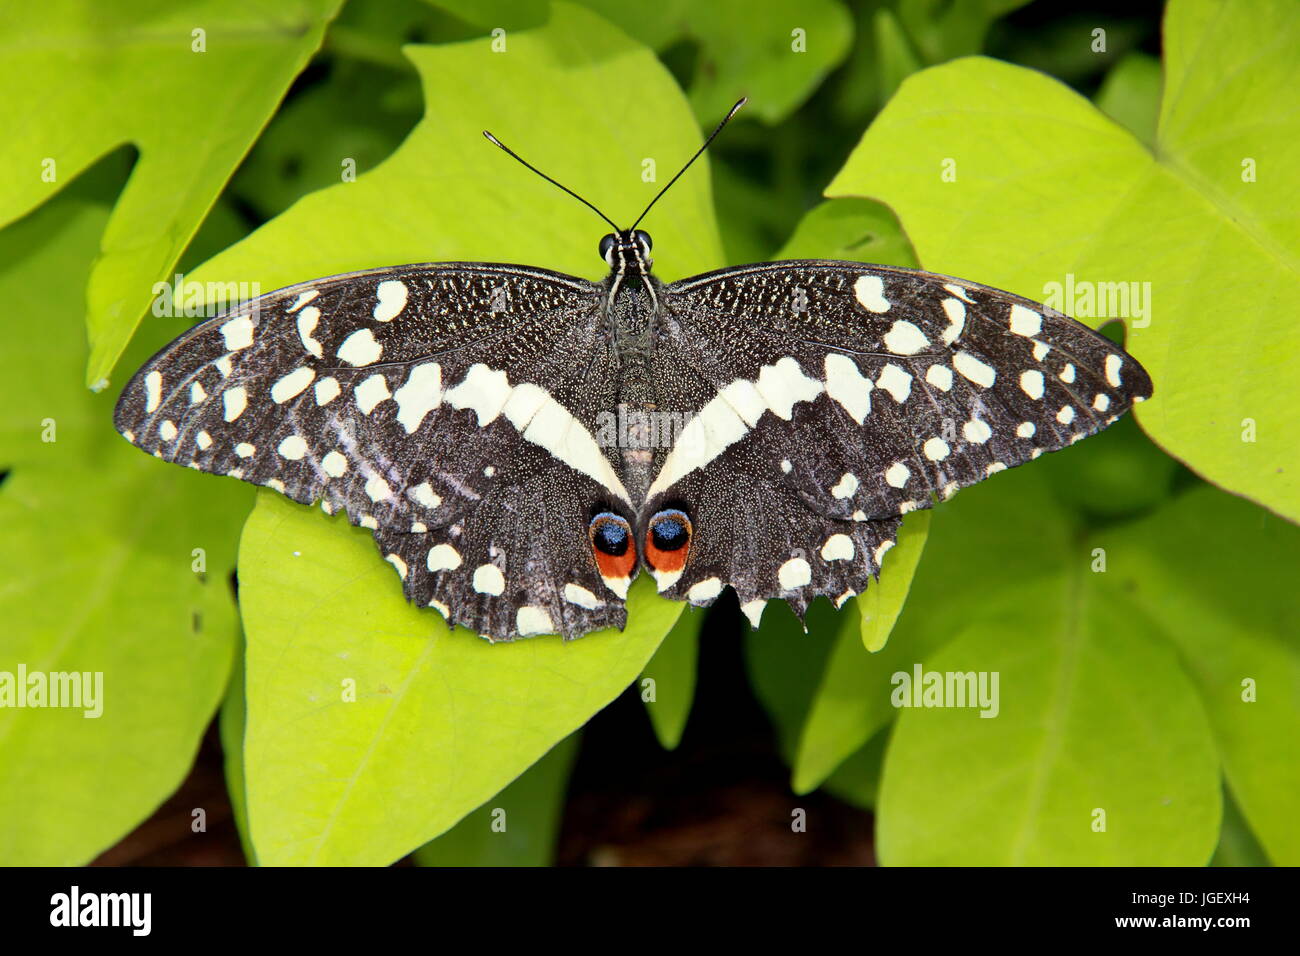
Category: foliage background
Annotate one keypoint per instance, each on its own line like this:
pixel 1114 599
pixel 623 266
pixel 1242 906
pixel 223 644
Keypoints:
pixel 1122 690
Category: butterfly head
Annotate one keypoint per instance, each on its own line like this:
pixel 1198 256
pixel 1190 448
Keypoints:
pixel 627 252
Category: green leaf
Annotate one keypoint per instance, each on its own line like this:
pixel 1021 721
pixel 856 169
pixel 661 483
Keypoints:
pixel 1043 174
pixel 673 671
pixel 371 727
pixel 231 721
pixel 1218 574
pixel 1237 845
pixel 98 570
pixel 854 229
pixel 775 52
pixel 99 82
pixel 517 827
pixel 1130 95
pixel 857 779
pixel 880 605
pixel 1095 717
pixel 1117 643
pixel 844 713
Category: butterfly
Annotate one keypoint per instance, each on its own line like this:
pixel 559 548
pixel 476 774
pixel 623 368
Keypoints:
pixel 521 443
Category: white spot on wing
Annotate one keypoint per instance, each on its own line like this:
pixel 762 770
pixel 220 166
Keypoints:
pixel 245 450
pixel 846 385
pixel 488 579
pixel 303 299
pixel 848 484
pixel 960 293
pixel 307 320
pixel 421 394
pixel 577 594
pixel 423 494
pixel 896 475
pixel 482 389
pixel 1031 383
pixel 896 382
pixel 293 448
pixel 838 547
pixel 197 393
pixel 870 292
pixel 234 400
pixel 956 313
pixel 754 610
pixel 360 348
pixel 976 431
pixel 152 391
pixel 238 333
pixel 327 389
pixel 1025 322
pixel 795 573
pixel 1113 363
pixel 371 392
pixel 936 449
pixel 391 294
pixel 168 430
pixel 703 591
pixel 783 384
pixel 443 557
pixel 940 376
pixel 904 338
pixel 969 367
pixel 378 489
pixel 334 464
pixel 292 384
pixel 531 619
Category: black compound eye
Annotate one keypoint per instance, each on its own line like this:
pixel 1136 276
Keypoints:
pixel 606 247
pixel 610 534
pixel 670 530
pixel 643 237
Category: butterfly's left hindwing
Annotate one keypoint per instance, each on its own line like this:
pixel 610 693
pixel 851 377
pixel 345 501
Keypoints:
pixel 408 399
pixel 841 396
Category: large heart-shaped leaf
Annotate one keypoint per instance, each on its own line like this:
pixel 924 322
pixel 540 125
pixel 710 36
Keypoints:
pixel 1006 176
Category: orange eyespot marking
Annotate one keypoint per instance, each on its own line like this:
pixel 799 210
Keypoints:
pixel 612 545
pixel 668 540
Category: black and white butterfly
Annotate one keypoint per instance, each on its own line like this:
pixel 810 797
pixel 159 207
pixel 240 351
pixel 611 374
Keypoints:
pixel 520 442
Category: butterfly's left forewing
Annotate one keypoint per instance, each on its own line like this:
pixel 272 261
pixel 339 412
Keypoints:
pixel 409 399
pixel 843 396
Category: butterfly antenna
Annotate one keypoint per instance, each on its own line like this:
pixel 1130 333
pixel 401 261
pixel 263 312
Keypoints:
pixel 496 142
pixel 725 120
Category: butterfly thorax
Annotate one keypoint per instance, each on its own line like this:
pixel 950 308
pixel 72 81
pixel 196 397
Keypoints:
pixel 632 304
